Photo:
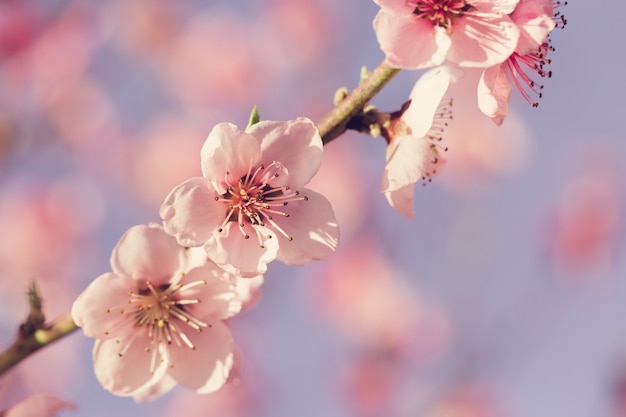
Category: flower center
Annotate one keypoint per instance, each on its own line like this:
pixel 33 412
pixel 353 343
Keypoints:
pixel 162 311
pixel 254 200
pixel 440 12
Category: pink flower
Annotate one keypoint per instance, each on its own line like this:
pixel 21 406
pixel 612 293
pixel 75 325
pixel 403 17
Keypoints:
pixel 424 33
pixel 535 20
pixel 252 186
pixel 158 318
pixel 37 405
pixel 413 153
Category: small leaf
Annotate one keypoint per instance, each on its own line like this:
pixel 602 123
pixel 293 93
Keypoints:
pixel 364 74
pixel 254 117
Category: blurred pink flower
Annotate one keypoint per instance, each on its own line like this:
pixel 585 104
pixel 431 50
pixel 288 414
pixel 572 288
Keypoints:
pixel 37 405
pixel 583 229
pixel 414 153
pixel 252 186
pixel 535 20
pixel 424 33
pixel 472 400
pixel 372 305
pixel 158 318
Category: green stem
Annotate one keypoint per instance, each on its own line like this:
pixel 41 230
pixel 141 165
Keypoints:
pixel 30 343
pixel 335 123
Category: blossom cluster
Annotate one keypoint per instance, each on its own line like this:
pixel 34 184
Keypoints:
pixel 160 317
pixel 507 39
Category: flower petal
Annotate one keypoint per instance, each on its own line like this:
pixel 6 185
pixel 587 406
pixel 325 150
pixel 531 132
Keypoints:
pixel 205 368
pixel 406 163
pixel 494 6
pixel 494 92
pixel 239 256
pixel 410 42
pixel 426 97
pixel 296 144
pixel 124 368
pixel 230 152
pixel 483 42
pixel 147 253
pixel 249 290
pixel 97 309
pixel 313 227
pixel 217 295
pixel 154 390
pixel 401 199
pixel 190 212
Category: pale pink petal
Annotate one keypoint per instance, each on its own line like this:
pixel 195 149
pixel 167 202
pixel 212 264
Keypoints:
pixel 239 256
pixel 190 212
pixel 205 368
pixel 249 290
pixel 401 199
pixel 494 6
pixel 410 42
pixel 535 23
pixel 38 405
pixel 406 164
pixel 482 42
pixel 96 310
pixel 228 151
pixel 155 390
pixel 494 91
pixel 217 295
pixel 147 253
pixel 124 368
pixel 296 144
pixel 426 97
pixel 313 227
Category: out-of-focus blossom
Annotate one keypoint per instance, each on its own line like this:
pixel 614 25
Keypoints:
pixel 374 308
pixel 417 34
pixel 38 405
pixel 19 22
pixel 250 206
pixel 479 152
pixel 158 318
pixel 294 34
pixel 370 382
pixel 171 141
pixel 584 228
pixel 535 20
pixel 472 400
pixel 202 66
pixel 414 152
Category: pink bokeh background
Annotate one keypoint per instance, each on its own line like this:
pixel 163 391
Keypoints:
pixel 504 297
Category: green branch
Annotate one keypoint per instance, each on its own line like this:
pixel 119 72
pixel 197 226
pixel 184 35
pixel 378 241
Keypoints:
pixel 335 123
pixel 29 342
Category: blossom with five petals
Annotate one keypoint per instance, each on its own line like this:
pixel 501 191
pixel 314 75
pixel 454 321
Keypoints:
pixel 250 207
pixel 416 34
pixel 158 318
pixel 535 20
pixel 413 152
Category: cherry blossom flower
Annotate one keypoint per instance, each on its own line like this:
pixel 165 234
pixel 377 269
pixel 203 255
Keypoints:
pixel 252 186
pixel 418 34
pixel 535 20
pixel 414 153
pixel 158 318
pixel 37 405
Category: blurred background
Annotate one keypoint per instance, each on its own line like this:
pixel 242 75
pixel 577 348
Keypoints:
pixel 504 297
